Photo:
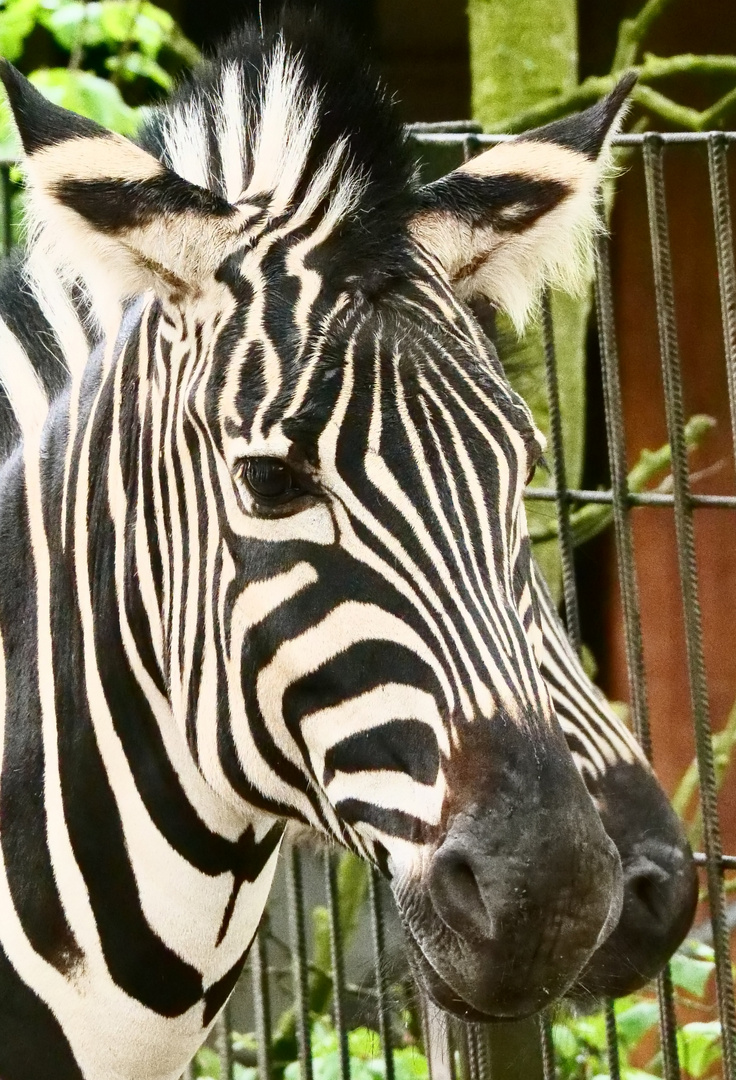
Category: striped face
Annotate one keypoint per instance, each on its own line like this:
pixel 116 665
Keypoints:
pixel 317 473
pixel 358 652
pixel 371 576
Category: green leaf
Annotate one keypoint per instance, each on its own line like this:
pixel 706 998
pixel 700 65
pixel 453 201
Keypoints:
pixel 699 1044
pixel 17 20
pixel 566 1045
pixel 244 1072
pixel 244 1041
pixel 135 65
pixel 410 1064
pixel 364 1043
pixel 324 1037
pixel 88 95
pixel 691 974
pixel 592 1030
pixel 74 25
pixel 140 27
pixel 634 1021
pixel 207 1064
pixel 629 1074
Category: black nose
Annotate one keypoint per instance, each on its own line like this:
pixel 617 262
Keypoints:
pixel 660 897
pixel 651 901
pixel 660 885
pixel 529 916
pixel 521 885
pixel 458 896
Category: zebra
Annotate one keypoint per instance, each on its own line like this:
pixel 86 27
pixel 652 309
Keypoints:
pixel 660 880
pixel 251 572
pixel 660 883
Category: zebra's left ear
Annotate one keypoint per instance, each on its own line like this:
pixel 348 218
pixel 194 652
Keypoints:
pixel 522 215
pixel 107 206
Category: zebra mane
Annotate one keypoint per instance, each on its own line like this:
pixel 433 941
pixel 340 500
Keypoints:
pixel 292 107
pixel 285 106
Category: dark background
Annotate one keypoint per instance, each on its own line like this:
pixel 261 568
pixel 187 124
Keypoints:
pixel 422 45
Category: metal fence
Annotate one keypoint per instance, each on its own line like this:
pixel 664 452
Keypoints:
pixel 281 970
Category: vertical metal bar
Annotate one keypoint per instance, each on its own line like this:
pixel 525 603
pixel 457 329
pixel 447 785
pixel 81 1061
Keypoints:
pixel 5 199
pixel 262 1001
pixel 718 169
pixel 664 292
pixel 471 1045
pixel 564 533
pixel 481 1052
pixel 668 1026
pixel 384 1013
pixel 223 1044
pixel 548 1050
pixel 614 1065
pixel 338 964
pixel 616 440
pixel 572 618
pixel 299 961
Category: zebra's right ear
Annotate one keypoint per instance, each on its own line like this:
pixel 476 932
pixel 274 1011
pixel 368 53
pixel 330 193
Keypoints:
pixel 522 215
pixel 108 206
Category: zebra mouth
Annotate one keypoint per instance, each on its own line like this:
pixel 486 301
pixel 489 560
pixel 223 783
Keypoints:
pixel 437 989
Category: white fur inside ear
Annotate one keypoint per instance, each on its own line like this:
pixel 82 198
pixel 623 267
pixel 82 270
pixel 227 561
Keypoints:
pixel 511 267
pixel 169 252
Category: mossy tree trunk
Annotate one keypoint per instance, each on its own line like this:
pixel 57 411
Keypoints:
pixel 523 52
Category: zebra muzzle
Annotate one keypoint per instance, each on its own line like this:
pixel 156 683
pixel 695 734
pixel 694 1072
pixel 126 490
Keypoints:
pixel 521 888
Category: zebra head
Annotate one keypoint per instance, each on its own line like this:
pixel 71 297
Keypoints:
pixel 660 881
pixel 304 467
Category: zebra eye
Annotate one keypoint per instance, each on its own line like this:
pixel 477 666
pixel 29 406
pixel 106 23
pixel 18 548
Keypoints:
pixel 270 479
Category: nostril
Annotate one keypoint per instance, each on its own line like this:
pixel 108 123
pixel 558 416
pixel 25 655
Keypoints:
pixel 645 890
pixel 650 894
pixel 456 895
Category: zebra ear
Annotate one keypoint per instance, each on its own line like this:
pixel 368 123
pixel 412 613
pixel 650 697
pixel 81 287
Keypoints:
pixel 522 215
pixel 105 204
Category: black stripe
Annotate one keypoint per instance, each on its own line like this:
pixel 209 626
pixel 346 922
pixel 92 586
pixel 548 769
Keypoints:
pixel 22 804
pixel 32 1043
pixel 114 206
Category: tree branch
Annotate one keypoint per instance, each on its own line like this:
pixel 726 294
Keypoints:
pixel 590 520
pixel 662 67
pixel 653 68
pixel 632 32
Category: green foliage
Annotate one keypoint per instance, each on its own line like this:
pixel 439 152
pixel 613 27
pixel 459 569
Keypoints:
pixel 580 1042
pixel 121 53
pixel 364 1046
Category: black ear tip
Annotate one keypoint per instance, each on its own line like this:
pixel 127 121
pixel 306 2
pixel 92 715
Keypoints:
pixel 620 92
pixel 586 132
pixel 10 76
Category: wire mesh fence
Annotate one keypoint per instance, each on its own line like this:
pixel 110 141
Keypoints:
pixel 312 959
